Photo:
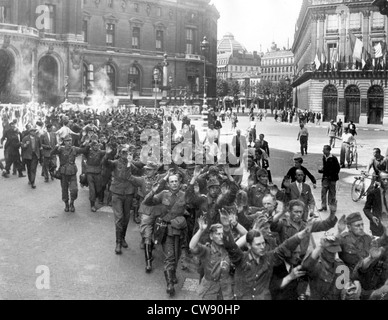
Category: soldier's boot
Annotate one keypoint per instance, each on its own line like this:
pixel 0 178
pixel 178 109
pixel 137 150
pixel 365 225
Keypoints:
pixel 5 174
pixel 148 258
pixel 93 206
pixel 184 258
pixel 72 208
pixel 170 285
pixel 136 217
pixel 118 248
pixel 21 175
pixel 174 278
pixel 124 243
pixel 67 208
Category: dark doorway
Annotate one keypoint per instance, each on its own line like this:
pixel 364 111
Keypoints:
pixel 375 105
pixel 352 108
pixel 48 81
pixel 7 70
pixel 330 103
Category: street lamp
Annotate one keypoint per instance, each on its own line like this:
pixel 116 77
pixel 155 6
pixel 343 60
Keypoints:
pixel 170 81
pixel 204 48
pixel 156 79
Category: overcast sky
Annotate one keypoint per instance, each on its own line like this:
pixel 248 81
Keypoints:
pixel 258 22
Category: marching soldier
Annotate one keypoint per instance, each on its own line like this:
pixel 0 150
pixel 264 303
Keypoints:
pixel 68 171
pixel 173 210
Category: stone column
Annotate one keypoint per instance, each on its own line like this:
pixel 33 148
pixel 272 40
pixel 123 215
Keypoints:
pixel 322 18
pixel 314 21
pixel 365 29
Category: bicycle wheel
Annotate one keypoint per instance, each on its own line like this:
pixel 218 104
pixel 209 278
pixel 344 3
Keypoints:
pixel 358 189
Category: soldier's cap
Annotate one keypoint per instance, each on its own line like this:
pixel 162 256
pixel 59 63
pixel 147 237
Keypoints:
pixel 353 217
pixel 334 245
pixel 190 165
pixel 213 182
pixel 298 159
pixel 68 138
pixel 151 166
pixel 262 173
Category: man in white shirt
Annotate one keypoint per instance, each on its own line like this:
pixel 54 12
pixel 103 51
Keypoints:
pixel 347 141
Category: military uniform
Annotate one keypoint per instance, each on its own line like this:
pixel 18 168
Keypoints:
pixel 68 170
pixel 122 197
pixel 93 173
pixel 217 281
pixel 173 210
pixel 256 194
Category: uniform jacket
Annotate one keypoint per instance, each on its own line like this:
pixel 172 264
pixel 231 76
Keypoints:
pixel 67 158
pixel 13 138
pixel 256 194
pixel 286 228
pixel 252 279
pixel 121 173
pixel 46 144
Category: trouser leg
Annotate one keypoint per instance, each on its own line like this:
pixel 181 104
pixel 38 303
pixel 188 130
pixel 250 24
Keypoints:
pixel 46 164
pixel 147 227
pixel 34 168
pixel 73 186
pixel 28 162
pixel 332 192
pixel 169 253
pixel 65 188
pixel 118 210
pixel 127 209
pixel 325 189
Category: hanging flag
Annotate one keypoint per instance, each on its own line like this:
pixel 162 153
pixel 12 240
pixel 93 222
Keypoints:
pixel 323 59
pixel 334 61
pixel 356 46
pixel 317 62
pixel 378 50
pixel 364 58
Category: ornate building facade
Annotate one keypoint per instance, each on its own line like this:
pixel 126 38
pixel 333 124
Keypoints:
pixel 277 64
pixel 342 87
pixel 54 49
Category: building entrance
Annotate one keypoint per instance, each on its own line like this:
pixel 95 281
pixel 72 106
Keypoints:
pixel 330 103
pixel 375 105
pixel 352 107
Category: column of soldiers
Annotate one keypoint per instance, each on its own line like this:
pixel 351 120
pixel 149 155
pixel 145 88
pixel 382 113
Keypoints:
pixel 251 242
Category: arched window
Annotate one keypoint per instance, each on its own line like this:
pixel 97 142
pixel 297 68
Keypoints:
pixel 111 73
pixel 134 78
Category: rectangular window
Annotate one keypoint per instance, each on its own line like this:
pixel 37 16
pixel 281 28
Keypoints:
pixel 85 30
pixel 331 49
pixel 110 34
pixel 332 23
pixel 189 41
pixel 377 21
pixel 355 21
pixel 110 3
pixel 159 11
pixel 136 38
pixel 159 40
pixel 136 7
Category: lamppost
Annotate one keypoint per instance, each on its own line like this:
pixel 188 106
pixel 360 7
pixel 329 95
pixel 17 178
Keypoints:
pixel 204 48
pixel 170 81
pixel 156 79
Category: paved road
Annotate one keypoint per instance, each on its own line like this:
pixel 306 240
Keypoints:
pixel 78 248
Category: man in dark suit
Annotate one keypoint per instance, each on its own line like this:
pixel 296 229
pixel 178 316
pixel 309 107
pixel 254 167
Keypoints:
pixel 330 172
pixel 31 155
pixel 299 190
pixel 11 150
pixel 376 209
pixel 239 144
pixel 48 141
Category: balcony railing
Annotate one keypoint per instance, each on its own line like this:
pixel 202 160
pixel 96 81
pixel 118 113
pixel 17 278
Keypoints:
pixel 13 28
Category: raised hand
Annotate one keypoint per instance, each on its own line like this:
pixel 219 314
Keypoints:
pixel 375 252
pixel 341 226
pixel 202 223
pixel 224 218
pixel 197 172
pixel 233 219
pixel 297 273
pixel 155 187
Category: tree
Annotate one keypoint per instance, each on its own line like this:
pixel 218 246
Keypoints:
pixel 234 88
pixel 265 88
pixel 222 88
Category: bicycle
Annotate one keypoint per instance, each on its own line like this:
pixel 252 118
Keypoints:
pixel 359 190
